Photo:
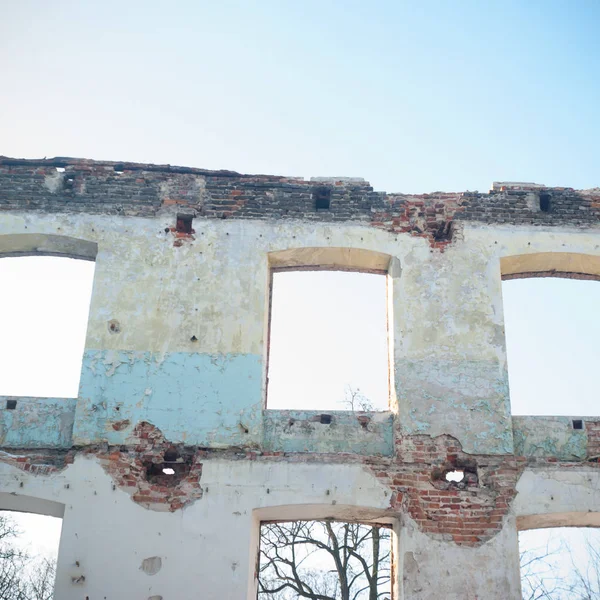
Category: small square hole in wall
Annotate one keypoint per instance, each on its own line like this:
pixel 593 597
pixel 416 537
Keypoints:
pixel 322 198
pixel 184 223
pixel 11 404
pixel 577 424
pixel 545 202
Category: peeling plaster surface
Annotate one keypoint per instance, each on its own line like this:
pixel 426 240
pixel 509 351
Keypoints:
pixel 302 431
pixel 432 570
pixel 208 400
pixel 550 437
pixel 441 396
pixel 555 492
pixel 175 365
pixel 37 423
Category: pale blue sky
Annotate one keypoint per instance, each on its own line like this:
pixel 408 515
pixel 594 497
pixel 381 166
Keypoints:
pixel 414 96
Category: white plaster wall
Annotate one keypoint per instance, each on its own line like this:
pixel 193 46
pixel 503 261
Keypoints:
pixel 558 497
pixel 433 569
pixel 205 549
pixel 208 549
pixel 449 348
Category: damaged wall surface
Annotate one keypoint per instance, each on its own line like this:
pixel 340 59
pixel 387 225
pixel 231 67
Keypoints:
pixel 175 365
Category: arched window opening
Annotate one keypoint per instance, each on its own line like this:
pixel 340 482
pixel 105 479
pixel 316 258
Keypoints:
pixel 328 331
pixel 44 309
pixel 552 329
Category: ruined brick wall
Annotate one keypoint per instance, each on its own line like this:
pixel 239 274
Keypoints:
pixel 74 185
pixel 170 427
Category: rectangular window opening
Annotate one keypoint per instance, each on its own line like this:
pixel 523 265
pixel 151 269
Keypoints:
pixel 294 554
pixel 328 341
pixel 552 331
pixel 28 553
pixel 44 311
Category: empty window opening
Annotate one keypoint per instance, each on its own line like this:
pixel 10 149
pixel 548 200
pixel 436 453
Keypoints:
pixel 577 424
pixel 328 341
pixel 11 404
pixel 456 475
pixel 560 562
pixel 545 202
pixel 168 471
pixel 28 553
pixel 326 556
pixel 184 224
pixel 322 198
pixel 60 169
pixel 44 311
pixel 552 331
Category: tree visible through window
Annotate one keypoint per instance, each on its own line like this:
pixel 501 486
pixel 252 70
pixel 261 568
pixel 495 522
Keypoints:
pixel 324 560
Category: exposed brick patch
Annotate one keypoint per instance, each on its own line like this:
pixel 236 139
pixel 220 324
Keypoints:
pixel 468 513
pixel 429 216
pixel 138 469
pixel 39 461
pixel 143 190
pixel 593 434
pixel 120 425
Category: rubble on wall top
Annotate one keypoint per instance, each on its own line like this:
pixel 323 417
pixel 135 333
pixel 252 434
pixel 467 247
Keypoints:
pixel 501 186
pixel 90 165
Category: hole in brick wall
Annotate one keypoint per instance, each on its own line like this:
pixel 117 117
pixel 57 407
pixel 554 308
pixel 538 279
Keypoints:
pixel 322 198
pixel 171 455
pixel 11 404
pixel 456 472
pixel 457 475
pixel 167 473
pixel 325 419
pixel 184 223
pixel 545 202
pixel 443 232
pixel 60 169
pixel 577 424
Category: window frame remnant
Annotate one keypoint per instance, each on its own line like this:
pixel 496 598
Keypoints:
pixel 354 260
pixel 564 265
